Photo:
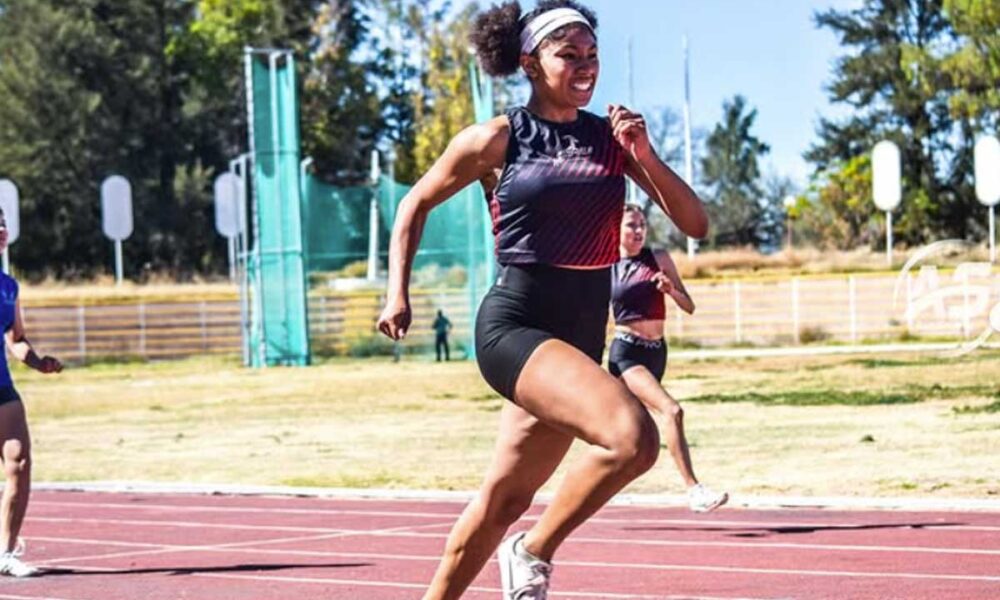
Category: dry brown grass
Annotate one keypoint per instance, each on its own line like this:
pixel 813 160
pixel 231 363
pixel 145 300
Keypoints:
pixel 816 426
pixel 802 261
pixel 706 265
pixel 106 292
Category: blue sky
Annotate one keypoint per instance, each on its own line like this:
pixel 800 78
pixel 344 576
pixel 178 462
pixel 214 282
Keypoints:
pixel 767 50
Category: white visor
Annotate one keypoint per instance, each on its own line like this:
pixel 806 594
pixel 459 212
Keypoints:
pixel 541 26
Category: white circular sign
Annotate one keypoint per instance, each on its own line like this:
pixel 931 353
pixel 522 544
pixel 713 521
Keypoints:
pixel 11 205
pixel 987 160
pixel 116 208
pixel 227 195
pixel 886 175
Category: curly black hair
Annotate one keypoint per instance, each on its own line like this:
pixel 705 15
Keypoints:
pixel 496 34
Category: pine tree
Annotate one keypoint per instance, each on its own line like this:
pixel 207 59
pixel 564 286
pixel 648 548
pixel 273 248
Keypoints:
pixel 731 173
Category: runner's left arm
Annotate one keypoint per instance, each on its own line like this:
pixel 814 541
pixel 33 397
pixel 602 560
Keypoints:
pixel 20 347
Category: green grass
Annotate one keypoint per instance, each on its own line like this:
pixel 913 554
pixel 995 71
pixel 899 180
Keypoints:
pixel 811 398
pixel 993 407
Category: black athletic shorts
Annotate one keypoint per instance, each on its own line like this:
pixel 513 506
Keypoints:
pixel 9 394
pixel 531 304
pixel 629 350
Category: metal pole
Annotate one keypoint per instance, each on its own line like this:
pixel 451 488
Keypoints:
pixel 692 244
pixel 795 310
pixel 993 238
pixel 392 189
pixel 888 237
pixel 231 246
pixel 373 219
pixel 238 166
pixel 632 189
pixel 470 261
pixel 909 303
pixel 738 312
pixel 118 262
pixel 276 151
pixel 852 291
pixel 142 328
pixel 966 318
pixel 81 331
pixel 257 288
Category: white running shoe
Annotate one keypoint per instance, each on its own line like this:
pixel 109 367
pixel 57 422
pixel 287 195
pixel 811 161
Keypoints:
pixel 11 564
pixel 702 499
pixel 522 577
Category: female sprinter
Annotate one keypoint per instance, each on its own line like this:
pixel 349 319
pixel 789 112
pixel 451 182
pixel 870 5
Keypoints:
pixel 16 451
pixel 554 176
pixel 638 354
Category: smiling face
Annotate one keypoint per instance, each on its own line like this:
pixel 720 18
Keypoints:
pixel 633 234
pixel 564 69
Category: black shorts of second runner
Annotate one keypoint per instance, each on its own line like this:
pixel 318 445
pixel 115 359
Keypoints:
pixel 628 351
pixel 531 304
pixel 9 394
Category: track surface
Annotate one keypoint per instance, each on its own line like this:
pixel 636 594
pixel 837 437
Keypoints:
pixel 103 546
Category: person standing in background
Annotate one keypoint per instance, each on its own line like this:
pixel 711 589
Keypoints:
pixel 441 328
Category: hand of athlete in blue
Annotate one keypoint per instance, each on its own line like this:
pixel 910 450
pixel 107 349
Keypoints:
pixel 629 129
pixel 49 364
pixel 395 318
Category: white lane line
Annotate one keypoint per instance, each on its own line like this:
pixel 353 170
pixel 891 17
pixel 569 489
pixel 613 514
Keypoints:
pixel 606 520
pixel 759 571
pixel 764 571
pixel 597 596
pixel 588 565
pixel 572 541
pixel 249 509
pixel 229 547
pixel 195 525
pixel 13 597
pixel 617 565
pixel 167 548
pixel 487 590
pixel 908 504
pixel 751 545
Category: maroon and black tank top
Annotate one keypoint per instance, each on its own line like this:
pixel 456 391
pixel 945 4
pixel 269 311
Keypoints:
pixel 633 293
pixel 560 197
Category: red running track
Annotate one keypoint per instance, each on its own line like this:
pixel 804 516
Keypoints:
pixel 105 546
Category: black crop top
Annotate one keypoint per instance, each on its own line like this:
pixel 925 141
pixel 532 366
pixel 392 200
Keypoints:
pixel 633 292
pixel 560 196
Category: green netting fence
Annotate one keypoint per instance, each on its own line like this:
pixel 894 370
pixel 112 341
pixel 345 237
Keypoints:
pixel 452 267
pixel 308 276
pixel 275 263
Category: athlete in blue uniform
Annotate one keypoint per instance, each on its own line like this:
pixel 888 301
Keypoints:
pixel 14 425
pixel 554 176
pixel 638 354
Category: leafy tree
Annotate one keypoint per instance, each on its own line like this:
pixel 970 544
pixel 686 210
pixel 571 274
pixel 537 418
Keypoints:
pixel 87 91
pixel 341 113
pixel 776 189
pixel 666 132
pixel 404 68
pixel 893 81
pixel 731 173
pixel 974 65
pixel 448 91
pixel 841 214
